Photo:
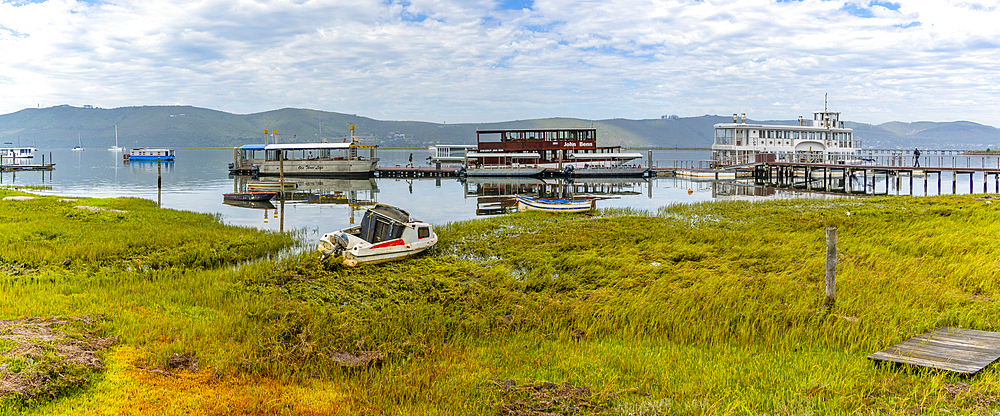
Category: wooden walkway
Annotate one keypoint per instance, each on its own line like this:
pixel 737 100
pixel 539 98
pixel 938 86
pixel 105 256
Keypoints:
pixel 415 172
pixel 965 351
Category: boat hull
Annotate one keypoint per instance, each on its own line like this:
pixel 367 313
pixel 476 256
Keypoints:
pixel 504 171
pixel 364 257
pixel 614 171
pixel 329 168
pixel 131 158
pixel 249 196
pixel 554 205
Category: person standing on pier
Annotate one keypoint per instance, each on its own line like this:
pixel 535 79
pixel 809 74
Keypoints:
pixel 916 157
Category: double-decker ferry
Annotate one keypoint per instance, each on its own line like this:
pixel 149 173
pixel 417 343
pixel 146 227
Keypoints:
pixel 527 152
pixel 824 140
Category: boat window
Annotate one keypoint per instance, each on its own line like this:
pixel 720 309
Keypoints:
pixel 423 232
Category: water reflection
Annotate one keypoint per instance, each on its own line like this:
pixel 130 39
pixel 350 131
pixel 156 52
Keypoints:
pixel 496 196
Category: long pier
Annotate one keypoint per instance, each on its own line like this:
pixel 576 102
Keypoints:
pixel 842 178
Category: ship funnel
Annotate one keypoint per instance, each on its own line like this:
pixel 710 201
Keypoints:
pixel 734 118
pixel 744 116
pixel 800 121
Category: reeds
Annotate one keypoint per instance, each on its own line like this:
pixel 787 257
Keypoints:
pixel 710 308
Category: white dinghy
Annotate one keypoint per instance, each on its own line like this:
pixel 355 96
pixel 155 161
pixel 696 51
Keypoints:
pixel 386 233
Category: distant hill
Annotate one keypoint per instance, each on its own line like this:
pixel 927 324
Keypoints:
pixel 186 126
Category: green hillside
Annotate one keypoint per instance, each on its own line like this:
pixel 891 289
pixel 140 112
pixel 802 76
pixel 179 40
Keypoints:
pixel 186 126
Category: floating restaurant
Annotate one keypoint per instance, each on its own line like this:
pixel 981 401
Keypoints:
pixel 528 152
pixel 346 159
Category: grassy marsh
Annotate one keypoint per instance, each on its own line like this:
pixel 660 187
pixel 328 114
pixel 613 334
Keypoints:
pixel 712 308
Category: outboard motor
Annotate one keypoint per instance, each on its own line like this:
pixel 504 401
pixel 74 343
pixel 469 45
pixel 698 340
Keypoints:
pixel 460 171
pixel 568 170
pixel 231 165
pixel 254 170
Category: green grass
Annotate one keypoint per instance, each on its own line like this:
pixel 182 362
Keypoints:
pixel 711 308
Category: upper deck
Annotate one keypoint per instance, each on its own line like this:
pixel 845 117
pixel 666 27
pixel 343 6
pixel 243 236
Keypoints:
pixel 523 140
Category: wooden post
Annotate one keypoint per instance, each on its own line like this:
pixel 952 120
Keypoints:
pixel 159 184
pixel 831 266
pixel 281 174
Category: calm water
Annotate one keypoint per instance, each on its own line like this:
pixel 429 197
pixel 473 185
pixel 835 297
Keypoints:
pixel 197 180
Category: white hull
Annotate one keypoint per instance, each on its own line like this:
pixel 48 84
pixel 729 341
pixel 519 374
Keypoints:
pixel 320 167
pixel 504 171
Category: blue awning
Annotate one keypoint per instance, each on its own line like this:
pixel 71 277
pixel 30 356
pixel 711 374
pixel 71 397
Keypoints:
pixel 253 147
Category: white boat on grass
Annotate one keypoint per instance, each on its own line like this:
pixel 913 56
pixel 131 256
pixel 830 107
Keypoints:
pixel 386 233
pixel 554 205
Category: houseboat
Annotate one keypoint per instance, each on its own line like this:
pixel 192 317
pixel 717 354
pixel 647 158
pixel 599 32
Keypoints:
pixel 351 158
pixel 17 156
pixel 527 152
pixel 824 140
pixel 141 154
pixel 449 152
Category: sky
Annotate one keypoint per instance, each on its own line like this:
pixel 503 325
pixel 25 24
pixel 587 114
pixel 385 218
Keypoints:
pixel 471 61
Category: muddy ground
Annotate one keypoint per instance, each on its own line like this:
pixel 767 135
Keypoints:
pixel 44 357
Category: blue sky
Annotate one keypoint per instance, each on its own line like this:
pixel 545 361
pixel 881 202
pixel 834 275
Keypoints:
pixel 487 60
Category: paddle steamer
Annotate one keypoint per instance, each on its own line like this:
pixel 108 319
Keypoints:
pixel 824 140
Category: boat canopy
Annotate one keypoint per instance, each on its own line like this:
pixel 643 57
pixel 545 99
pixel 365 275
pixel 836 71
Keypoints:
pixel 305 146
pixel 383 223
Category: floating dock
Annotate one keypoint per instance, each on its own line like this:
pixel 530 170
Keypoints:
pixel 965 351
pixel 795 174
pixel 416 172
pixel 15 168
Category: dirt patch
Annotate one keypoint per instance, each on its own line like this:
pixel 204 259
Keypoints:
pixel 185 361
pixel 544 399
pixel 42 357
pixel 99 209
pixel 361 359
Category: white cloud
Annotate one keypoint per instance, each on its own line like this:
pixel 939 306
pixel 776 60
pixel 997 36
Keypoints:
pixel 470 61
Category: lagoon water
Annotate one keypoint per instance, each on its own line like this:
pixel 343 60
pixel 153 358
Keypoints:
pixel 198 178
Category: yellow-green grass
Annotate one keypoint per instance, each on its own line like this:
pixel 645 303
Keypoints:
pixel 713 308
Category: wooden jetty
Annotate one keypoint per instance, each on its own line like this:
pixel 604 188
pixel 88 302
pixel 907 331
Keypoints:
pixel 965 351
pixel 416 172
pixel 834 177
pixel 16 168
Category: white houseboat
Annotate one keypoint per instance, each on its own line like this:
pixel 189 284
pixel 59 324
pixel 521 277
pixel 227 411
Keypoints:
pixel 346 159
pixel 824 140
pixel 449 152
pixel 141 154
pixel 17 156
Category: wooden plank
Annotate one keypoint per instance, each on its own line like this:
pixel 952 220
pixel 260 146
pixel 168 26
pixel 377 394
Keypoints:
pixel 953 349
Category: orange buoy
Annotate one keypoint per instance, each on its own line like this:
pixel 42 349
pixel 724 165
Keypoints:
pixel 690 191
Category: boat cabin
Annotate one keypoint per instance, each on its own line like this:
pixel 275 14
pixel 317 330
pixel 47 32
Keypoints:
pixel 544 147
pixel 449 152
pixel 149 153
pixel 17 155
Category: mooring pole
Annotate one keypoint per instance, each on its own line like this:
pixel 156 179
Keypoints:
pixel 831 266
pixel 281 174
pixel 159 182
